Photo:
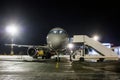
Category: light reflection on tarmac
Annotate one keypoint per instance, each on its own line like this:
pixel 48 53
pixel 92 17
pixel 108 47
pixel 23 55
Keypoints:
pixel 17 68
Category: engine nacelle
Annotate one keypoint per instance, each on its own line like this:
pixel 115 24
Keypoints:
pixel 32 52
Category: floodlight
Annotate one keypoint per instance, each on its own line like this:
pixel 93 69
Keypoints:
pixel 70 45
pixel 96 38
pixel 12 29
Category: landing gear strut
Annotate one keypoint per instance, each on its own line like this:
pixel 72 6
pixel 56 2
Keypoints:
pixel 57 58
pixel 70 57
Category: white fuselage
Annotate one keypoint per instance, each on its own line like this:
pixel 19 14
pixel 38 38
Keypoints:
pixel 57 38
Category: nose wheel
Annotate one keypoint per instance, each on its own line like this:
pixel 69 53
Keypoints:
pixel 57 59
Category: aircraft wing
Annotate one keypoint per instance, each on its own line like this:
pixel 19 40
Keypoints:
pixel 27 46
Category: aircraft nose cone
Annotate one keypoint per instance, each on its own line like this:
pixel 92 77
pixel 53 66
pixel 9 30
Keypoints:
pixel 57 42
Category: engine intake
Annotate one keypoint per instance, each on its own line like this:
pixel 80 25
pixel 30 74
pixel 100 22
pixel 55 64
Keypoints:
pixel 32 52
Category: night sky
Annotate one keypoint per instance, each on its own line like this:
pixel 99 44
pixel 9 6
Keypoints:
pixel 36 17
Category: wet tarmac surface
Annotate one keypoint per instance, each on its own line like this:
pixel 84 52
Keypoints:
pixel 22 69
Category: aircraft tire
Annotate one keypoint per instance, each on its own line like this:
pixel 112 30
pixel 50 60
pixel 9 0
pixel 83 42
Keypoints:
pixel 57 59
pixel 81 59
pixel 43 57
pixel 48 56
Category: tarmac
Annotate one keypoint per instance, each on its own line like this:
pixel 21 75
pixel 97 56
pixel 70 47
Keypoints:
pixel 25 68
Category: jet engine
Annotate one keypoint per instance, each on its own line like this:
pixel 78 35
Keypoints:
pixel 32 52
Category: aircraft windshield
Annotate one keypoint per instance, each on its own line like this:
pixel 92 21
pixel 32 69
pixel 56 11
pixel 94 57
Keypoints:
pixel 58 32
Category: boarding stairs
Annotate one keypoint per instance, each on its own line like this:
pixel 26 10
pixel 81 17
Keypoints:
pixel 104 52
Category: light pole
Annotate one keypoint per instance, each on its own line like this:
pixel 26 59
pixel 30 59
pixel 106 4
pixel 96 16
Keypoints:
pixel 12 52
pixel 12 31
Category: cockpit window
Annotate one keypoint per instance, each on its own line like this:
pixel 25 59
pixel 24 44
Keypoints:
pixel 55 32
pixel 58 32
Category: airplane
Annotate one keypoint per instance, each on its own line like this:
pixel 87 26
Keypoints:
pixel 57 40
